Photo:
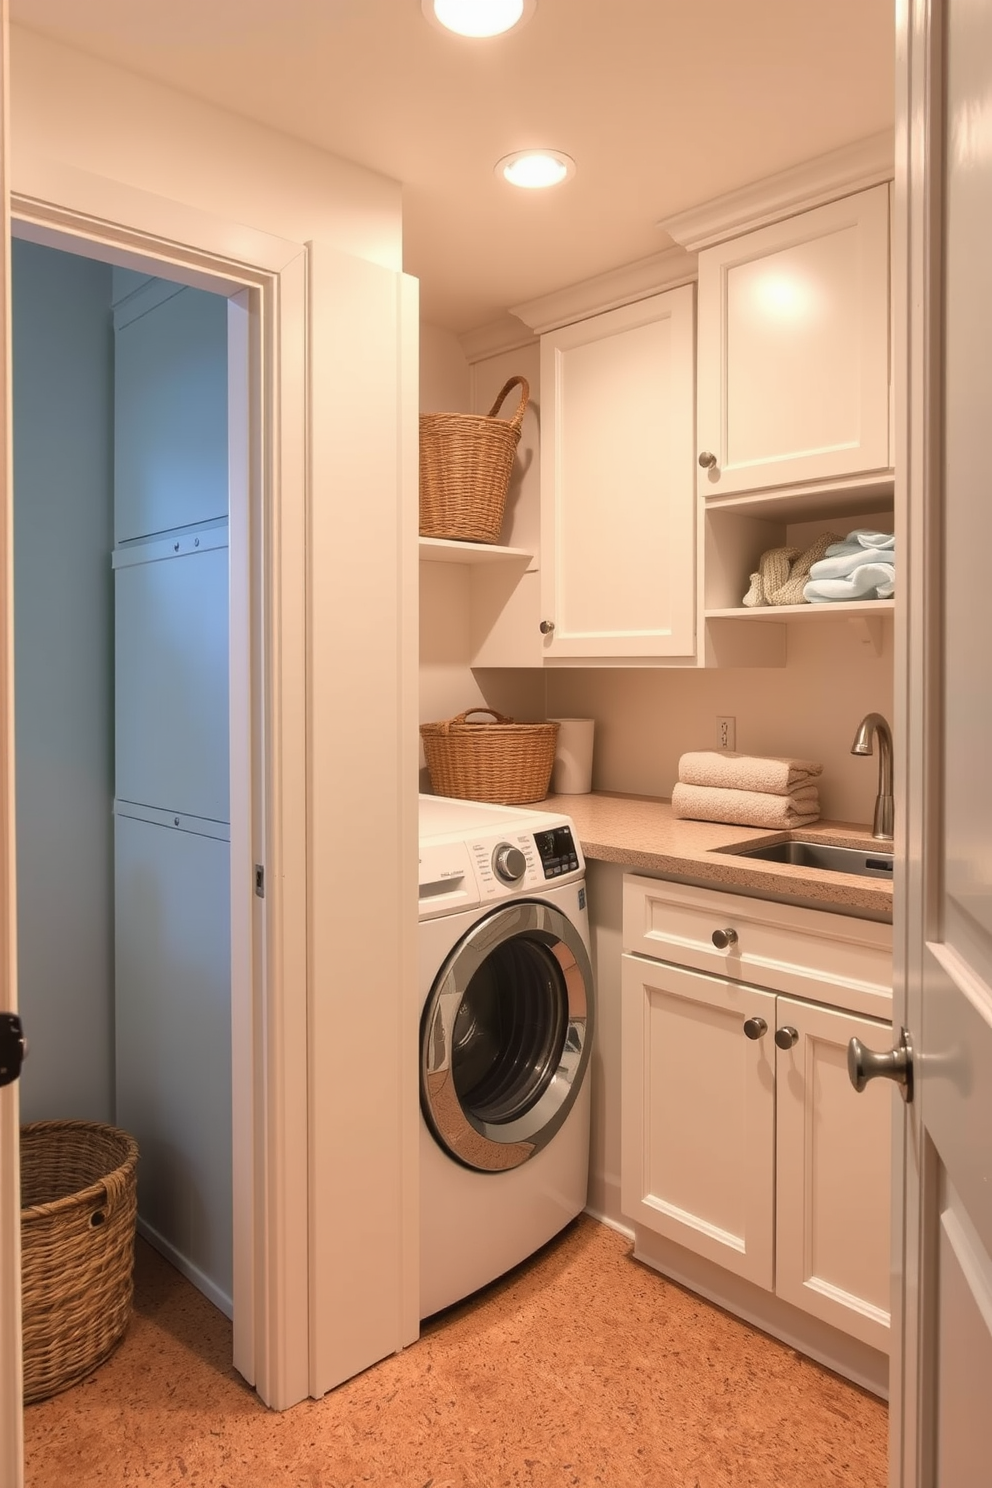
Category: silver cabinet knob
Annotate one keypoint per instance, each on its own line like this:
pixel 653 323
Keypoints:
pixel 895 1064
pixel 786 1037
pixel 509 862
pixel 547 626
pixel 707 460
pixel 724 939
pixel 755 1028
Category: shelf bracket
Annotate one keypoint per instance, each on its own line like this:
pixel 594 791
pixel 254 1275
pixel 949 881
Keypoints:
pixel 867 631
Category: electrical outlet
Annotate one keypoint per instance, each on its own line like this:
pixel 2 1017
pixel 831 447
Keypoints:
pixel 726 733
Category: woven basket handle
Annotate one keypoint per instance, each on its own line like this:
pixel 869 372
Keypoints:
pixel 463 717
pixel 516 421
pixel 115 1186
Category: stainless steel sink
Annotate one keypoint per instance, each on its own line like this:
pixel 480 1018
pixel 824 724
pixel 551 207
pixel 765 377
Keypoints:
pixel 867 862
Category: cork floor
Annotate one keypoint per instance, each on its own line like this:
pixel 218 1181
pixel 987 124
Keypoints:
pixel 582 1367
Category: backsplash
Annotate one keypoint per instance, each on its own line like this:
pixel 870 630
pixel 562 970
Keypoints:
pixel 646 718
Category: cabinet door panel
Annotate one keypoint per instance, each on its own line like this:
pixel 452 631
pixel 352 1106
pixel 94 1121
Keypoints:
pixel 171 665
pixel 617 518
pixel 173 1041
pixel 833 1156
pixel 170 423
pixel 794 348
pixel 698 1114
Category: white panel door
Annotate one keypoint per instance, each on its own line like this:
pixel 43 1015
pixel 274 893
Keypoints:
pixel 11 1411
pixel 171 677
pixel 794 349
pixel 944 1435
pixel 173 1040
pixel 833 1159
pixel 698 1114
pixel 170 408
pixel 617 506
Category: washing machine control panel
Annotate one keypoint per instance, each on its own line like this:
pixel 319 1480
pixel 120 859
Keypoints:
pixel 520 861
pixel 557 851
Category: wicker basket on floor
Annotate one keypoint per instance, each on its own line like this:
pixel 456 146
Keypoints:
pixel 501 761
pixel 78 1211
pixel 465 464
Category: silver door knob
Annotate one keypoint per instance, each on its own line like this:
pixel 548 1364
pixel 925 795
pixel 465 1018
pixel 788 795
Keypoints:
pixel 547 626
pixel 755 1028
pixel 707 460
pixel 895 1064
pixel 786 1037
pixel 724 939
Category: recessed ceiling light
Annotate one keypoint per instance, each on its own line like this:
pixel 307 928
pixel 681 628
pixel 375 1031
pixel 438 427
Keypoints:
pixel 478 17
pixel 534 169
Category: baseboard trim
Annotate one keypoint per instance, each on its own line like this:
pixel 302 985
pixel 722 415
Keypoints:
pixel 185 1267
pixel 611 1224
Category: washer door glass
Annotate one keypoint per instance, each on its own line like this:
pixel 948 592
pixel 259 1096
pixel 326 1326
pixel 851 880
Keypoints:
pixel 506 1036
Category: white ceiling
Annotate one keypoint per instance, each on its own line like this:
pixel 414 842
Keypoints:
pixel 662 103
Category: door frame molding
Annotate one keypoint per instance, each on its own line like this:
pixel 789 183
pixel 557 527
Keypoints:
pixel 917 316
pixel 266 281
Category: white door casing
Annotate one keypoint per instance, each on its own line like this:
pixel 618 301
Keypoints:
pixel 942 1380
pixel 265 279
pixel 11 1417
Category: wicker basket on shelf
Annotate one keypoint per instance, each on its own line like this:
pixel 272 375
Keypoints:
pixel 500 761
pixel 465 465
pixel 78 1212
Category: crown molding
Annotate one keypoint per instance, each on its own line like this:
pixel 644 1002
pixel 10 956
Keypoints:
pixel 505 334
pixel 855 167
pixel 665 270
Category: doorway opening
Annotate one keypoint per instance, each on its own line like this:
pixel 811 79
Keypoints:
pixel 138 788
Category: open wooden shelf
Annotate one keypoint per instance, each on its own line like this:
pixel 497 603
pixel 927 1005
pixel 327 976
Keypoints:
pixel 815 612
pixel 446 550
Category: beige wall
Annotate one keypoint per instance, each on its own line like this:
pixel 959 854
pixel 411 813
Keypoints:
pixel 87 115
pixel 811 708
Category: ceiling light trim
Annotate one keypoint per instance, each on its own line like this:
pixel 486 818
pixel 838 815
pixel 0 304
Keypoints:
pixel 527 9
pixel 538 152
pixel 868 162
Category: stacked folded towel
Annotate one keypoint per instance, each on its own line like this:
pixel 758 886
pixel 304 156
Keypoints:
pixel 747 790
pixel 860 567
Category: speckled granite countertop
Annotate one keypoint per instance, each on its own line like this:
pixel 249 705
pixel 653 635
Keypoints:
pixel 641 832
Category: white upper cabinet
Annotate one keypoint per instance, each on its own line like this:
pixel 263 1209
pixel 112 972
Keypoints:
pixel 617 487
pixel 793 383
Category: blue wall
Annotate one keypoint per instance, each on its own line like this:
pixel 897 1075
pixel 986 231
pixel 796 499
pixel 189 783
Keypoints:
pixel 63 611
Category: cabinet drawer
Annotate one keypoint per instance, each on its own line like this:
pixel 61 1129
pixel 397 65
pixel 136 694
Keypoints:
pixel 804 952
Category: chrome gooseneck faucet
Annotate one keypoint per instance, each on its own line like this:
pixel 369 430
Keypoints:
pixel 871 725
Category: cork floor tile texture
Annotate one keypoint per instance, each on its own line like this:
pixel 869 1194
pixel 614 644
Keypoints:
pixel 583 1367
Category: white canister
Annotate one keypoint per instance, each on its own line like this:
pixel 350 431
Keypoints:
pixel 571 774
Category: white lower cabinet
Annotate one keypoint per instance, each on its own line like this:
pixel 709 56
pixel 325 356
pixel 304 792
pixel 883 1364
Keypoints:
pixel 743 1140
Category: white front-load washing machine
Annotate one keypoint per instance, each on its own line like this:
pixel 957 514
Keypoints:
pixel 505 1040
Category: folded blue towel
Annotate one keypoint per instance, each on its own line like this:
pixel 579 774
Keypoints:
pixel 863 581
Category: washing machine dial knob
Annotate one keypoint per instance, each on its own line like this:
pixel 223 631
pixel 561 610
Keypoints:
pixel 509 863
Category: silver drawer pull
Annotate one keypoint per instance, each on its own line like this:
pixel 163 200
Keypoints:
pixel 724 939
pixel 786 1037
pixel 755 1028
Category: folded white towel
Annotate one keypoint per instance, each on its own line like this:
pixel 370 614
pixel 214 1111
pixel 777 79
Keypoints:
pixel 776 775
pixel 864 537
pixel 866 581
pixel 841 564
pixel 746 808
